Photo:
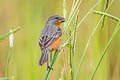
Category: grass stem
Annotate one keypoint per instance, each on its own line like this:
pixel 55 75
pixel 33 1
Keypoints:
pixel 8 34
pixel 55 57
pixel 8 60
pixel 89 39
pixel 106 14
pixel 105 50
pixel 105 7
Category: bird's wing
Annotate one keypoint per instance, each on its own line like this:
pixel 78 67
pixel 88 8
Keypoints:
pixel 49 34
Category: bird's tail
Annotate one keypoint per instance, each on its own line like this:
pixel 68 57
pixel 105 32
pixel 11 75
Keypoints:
pixel 44 55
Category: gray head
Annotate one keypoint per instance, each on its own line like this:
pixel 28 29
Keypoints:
pixel 56 18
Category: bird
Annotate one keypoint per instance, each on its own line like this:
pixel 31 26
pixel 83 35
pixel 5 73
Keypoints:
pixel 50 38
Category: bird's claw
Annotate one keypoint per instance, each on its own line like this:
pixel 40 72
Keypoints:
pixel 48 67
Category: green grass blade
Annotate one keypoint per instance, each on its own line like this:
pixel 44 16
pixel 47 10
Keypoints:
pixel 71 16
pixel 88 13
pixel 8 60
pixel 8 34
pixel 52 63
pixel 54 59
pixel 105 50
pixel 88 42
pixel 105 7
pixel 106 14
pixel 64 9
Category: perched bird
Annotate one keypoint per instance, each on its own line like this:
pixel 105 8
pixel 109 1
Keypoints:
pixel 50 37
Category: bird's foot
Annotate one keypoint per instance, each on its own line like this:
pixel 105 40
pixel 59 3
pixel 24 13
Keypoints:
pixel 48 67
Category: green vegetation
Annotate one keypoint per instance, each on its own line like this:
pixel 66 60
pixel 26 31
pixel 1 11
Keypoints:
pixel 90 47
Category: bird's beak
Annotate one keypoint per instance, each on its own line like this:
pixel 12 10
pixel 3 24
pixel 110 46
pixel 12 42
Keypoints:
pixel 63 20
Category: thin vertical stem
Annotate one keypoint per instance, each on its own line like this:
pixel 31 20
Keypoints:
pixel 50 56
pixel 88 13
pixel 66 65
pixel 54 59
pixel 89 39
pixel 72 14
pixel 73 4
pixel 70 52
pixel 105 50
pixel 9 52
pixel 8 60
pixel 73 47
pixel 105 7
pixel 64 8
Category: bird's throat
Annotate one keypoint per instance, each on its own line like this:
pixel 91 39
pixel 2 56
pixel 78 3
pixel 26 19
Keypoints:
pixel 58 24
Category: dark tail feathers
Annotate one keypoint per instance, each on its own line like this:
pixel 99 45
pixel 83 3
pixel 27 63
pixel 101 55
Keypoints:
pixel 44 56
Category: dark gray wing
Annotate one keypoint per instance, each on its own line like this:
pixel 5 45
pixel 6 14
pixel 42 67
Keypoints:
pixel 49 34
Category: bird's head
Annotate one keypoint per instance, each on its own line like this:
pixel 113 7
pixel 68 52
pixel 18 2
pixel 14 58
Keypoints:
pixel 56 19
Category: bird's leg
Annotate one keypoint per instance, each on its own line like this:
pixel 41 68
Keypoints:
pixel 48 66
pixel 50 56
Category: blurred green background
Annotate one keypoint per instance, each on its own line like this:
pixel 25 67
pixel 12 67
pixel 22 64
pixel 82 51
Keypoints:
pixel 31 16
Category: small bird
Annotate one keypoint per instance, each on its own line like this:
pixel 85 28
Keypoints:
pixel 50 37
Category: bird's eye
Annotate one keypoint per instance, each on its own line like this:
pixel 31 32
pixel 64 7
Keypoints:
pixel 56 17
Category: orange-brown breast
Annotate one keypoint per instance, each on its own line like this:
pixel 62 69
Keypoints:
pixel 56 44
pixel 58 24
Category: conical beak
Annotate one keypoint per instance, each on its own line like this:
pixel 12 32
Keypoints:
pixel 63 20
